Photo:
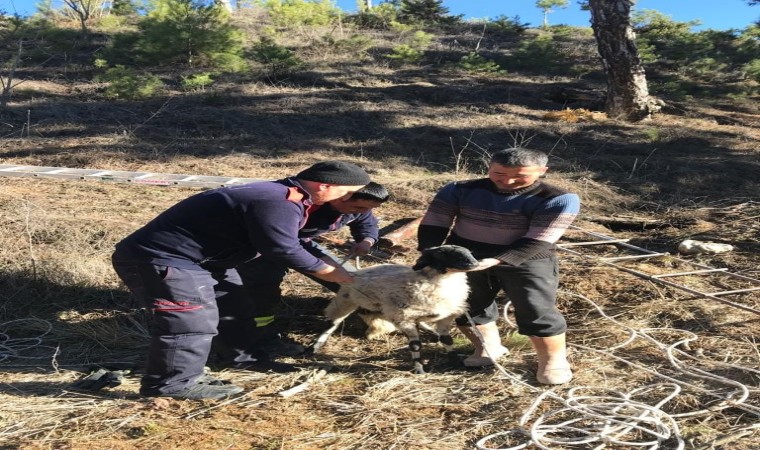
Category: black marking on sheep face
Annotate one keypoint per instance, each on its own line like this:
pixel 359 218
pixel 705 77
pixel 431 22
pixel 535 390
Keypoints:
pixel 446 257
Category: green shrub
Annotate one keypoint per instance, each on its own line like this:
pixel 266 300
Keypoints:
pixel 647 52
pixel 708 55
pixel 123 8
pixel 380 17
pixel 300 13
pixel 278 59
pixel 59 40
pixel 752 69
pixel 652 135
pixel 406 54
pixel 705 68
pixel 426 12
pixel 412 48
pixel 226 62
pixel 673 88
pixel 476 63
pixel 197 82
pixel 420 40
pixel 539 54
pixel 400 28
pixel 508 25
pixel 184 31
pixel 128 84
pixel 571 32
pixel 113 23
pixel 354 45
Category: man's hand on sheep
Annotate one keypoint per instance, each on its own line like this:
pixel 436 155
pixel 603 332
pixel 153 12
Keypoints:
pixel 485 263
pixel 335 275
pixel 361 248
pixel 482 264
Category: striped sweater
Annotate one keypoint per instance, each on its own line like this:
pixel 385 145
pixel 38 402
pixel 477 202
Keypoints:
pixel 514 227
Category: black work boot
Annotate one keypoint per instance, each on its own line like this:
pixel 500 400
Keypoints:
pixel 197 391
pixel 267 340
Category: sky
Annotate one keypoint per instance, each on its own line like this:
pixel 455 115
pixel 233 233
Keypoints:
pixel 715 14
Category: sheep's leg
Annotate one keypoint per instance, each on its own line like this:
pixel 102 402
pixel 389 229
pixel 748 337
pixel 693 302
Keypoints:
pixel 320 342
pixel 377 326
pixel 415 345
pixel 443 329
pixel 336 311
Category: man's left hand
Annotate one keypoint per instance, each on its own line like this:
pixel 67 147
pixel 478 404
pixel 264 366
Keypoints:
pixel 361 248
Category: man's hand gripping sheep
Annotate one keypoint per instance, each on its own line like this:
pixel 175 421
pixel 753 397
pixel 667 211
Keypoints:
pixel 434 290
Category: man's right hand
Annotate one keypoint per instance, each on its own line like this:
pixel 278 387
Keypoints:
pixel 335 275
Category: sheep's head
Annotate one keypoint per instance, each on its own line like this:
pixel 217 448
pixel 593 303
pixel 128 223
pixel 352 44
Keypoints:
pixel 446 257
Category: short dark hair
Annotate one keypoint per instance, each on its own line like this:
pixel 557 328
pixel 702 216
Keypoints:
pixel 520 157
pixel 375 192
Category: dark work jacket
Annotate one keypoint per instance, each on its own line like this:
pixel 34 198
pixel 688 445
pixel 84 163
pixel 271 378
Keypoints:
pixel 225 227
pixel 326 219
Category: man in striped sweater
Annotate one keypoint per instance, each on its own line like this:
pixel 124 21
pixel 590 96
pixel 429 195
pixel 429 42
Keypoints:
pixel 510 221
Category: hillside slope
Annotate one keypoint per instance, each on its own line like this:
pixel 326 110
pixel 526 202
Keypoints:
pixel 691 172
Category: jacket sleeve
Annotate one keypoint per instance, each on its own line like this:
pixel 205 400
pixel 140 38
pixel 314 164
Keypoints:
pixel 364 226
pixel 273 227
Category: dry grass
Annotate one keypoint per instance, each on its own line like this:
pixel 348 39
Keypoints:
pixel 414 128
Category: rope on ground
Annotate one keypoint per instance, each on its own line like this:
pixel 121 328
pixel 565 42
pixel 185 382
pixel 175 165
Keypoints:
pixel 615 419
pixel 605 417
pixel 12 347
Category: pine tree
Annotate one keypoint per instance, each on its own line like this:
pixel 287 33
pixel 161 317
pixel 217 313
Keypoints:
pixel 426 12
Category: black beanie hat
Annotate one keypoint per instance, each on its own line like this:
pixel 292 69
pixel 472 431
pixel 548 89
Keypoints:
pixel 335 172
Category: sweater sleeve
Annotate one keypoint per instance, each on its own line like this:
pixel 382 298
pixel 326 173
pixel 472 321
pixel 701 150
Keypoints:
pixel 439 217
pixel 430 236
pixel 547 225
pixel 522 250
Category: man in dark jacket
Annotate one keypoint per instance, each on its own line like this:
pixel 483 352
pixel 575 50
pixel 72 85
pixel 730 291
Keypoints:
pixel 182 265
pixel 253 330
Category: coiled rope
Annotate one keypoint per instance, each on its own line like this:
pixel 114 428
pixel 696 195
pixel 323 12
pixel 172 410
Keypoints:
pixel 30 348
pixel 606 417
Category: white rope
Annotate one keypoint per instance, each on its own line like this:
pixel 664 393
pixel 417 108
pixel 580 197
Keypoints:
pixel 24 347
pixel 606 417
pixel 505 315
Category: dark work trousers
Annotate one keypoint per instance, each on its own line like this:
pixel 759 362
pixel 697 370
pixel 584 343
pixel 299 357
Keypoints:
pixel 184 321
pixel 263 276
pixel 248 318
pixel 532 289
pixel 247 315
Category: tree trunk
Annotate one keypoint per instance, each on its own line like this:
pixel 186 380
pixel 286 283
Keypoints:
pixel 627 93
pixel 7 83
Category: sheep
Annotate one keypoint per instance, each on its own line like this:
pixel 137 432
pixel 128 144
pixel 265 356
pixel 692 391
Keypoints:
pixel 434 290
